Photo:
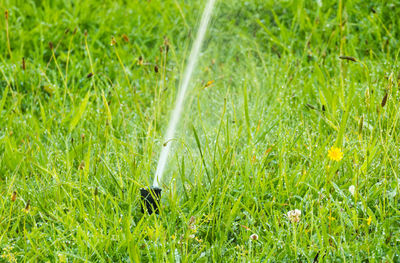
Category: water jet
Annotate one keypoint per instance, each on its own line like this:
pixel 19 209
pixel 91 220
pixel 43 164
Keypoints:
pixel 155 191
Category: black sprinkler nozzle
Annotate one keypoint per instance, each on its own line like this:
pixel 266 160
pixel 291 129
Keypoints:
pixel 150 199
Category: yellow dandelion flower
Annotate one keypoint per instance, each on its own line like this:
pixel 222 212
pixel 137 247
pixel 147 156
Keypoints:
pixel 335 154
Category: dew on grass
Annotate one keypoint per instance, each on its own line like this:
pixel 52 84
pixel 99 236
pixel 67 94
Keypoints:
pixel 352 189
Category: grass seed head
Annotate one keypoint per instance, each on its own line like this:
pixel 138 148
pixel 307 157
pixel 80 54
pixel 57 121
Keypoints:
pixel 113 41
pixel 81 165
pixel 348 58
pixel 140 61
pixel 384 100
pixel 125 38
pixel 23 64
pixel 166 44
pixel 14 196
pixel 360 125
pixel 27 207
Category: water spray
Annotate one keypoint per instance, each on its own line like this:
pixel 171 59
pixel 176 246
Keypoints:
pixel 151 195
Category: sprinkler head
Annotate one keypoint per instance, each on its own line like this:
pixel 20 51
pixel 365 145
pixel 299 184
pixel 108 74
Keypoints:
pixel 150 199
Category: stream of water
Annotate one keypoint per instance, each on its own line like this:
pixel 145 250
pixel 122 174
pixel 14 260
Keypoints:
pixel 176 113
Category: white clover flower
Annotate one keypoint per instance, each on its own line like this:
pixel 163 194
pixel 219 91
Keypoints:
pixel 294 215
pixel 254 237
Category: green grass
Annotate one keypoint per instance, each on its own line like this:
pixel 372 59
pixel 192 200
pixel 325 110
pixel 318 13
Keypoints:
pixel 249 149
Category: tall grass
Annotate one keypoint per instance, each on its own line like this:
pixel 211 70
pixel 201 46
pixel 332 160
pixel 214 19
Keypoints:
pixel 82 122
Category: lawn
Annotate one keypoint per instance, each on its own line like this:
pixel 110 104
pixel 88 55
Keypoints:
pixel 287 150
